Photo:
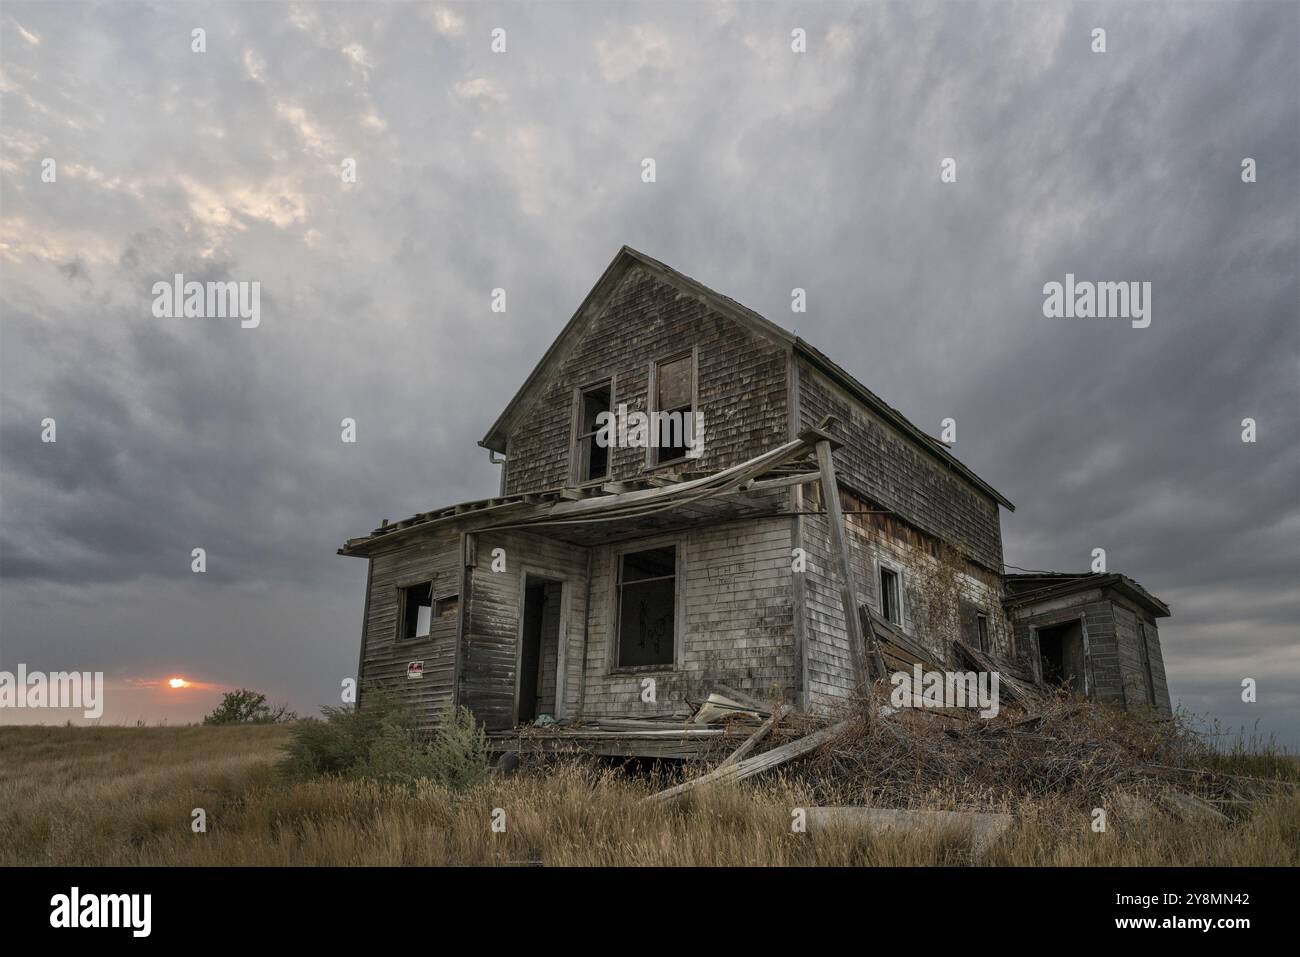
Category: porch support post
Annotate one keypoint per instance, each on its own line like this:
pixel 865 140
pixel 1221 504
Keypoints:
pixel 844 568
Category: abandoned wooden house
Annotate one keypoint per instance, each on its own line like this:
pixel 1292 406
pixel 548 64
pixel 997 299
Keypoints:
pixel 609 585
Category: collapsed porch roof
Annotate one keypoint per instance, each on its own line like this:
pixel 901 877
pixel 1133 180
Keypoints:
pixel 593 514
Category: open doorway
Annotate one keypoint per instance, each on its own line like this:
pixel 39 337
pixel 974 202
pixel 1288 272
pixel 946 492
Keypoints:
pixel 1060 650
pixel 539 651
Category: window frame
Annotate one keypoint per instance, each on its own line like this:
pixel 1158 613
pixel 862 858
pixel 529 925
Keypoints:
pixel 652 460
pixel 616 554
pixel 576 436
pixel 984 635
pixel 884 564
pixel 403 596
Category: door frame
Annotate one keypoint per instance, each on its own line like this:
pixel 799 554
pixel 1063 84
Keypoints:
pixel 543 576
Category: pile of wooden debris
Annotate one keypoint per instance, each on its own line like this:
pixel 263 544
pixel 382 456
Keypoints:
pixel 1044 747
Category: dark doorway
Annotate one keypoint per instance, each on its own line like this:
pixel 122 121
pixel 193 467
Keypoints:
pixel 539 650
pixel 1060 649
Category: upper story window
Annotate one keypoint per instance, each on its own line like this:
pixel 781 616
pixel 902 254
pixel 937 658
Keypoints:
pixel 416 611
pixel 591 459
pixel 673 407
pixel 982 631
pixel 890 604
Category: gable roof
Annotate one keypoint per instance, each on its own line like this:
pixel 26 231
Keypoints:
pixel 629 258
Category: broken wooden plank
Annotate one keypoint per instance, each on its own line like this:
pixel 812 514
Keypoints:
pixel 719 707
pixel 755 765
pixel 755 739
pixel 749 701
pixel 1191 808
pixel 983 828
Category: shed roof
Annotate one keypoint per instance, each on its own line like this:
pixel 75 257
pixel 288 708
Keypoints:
pixel 1033 587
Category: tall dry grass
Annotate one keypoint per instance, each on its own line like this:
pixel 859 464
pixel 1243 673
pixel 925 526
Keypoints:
pixel 124 796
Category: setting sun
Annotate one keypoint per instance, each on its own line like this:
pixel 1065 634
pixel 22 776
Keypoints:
pixel 178 683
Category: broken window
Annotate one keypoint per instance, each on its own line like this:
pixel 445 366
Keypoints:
pixel 647 604
pixel 1145 652
pixel 982 631
pixel 890 607
pixel 591 459
pixel 416 611
pixel 674 408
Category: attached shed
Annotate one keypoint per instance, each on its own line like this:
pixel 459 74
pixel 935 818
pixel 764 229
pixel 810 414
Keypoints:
pixel 1095 633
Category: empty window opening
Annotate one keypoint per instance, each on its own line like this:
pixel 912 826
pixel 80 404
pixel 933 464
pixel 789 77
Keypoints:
pixel 982 631
pixel 417 611
pixel 647 602
pixel 539 654
pixel 674 408
pixel 1060 650
pixel 592 458
pixel 890 607
pixel 1145 651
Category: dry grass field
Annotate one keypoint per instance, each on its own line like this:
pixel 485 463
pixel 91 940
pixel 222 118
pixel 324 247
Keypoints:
pixel 124 796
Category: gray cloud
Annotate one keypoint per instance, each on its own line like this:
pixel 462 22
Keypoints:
pixel 522 171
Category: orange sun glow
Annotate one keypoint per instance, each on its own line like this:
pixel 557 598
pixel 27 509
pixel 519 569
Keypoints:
pixel 178 683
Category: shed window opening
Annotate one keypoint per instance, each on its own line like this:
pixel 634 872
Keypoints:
pixel 982 631
pixel 890 607
pixel 647 602
pixel 592 456
pixel 674 418
pixel 417 611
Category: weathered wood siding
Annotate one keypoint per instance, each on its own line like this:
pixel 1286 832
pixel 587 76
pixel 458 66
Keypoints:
pixel 739 622
pixel 882 464
pixel 489 673
pixel 1128 642
pixel 433 557
pixel 742 384
pixel 936 587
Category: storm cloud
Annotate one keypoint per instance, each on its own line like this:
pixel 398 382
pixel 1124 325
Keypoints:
pixel 521 170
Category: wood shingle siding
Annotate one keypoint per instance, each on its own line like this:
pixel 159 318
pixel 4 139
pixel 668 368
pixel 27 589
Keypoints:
pixel 742 387
pixel 384 657
pixel 490 647
pixel 883 465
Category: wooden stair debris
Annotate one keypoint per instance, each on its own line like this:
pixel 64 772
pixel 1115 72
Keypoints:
pixel 875 658
pixel 750 766
pixel 982 661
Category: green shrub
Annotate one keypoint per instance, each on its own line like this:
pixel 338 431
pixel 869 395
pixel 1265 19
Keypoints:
pixel 383 742
pixel 248 707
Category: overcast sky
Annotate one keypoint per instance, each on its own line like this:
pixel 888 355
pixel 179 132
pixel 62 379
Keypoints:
pixel 522 170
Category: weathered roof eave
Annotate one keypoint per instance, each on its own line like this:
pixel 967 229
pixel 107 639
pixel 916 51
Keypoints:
pixel 1083 582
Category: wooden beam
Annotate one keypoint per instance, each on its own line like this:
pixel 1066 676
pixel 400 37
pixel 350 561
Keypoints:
pixel 843 566
pixel 873 643
pixel 751 766
pixel 755 739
